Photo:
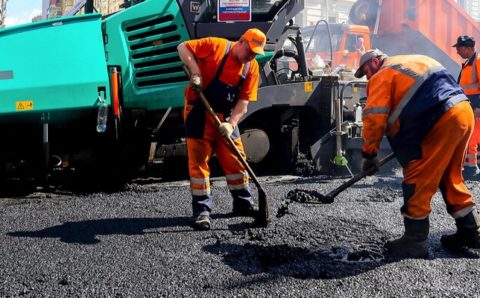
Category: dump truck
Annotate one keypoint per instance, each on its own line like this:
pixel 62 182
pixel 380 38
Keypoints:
pixel 102 96
pixel 396 27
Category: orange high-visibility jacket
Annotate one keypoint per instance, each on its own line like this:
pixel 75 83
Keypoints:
pixel 405 98
pixel 469 79
pixel 209 53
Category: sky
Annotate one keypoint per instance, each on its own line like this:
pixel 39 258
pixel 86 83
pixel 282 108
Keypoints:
pixel 22 11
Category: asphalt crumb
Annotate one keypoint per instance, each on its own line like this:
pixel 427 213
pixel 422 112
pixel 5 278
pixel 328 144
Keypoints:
pixel 305 196
pixel 385 194
pixel 302 196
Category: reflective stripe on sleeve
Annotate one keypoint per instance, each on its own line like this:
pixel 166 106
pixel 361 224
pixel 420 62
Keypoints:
pixel 370 111
pixel 470 86
pixel 419 80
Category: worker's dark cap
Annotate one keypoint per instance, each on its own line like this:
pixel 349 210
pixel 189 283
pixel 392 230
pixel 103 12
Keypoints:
pixel 464 41
pixel 369 55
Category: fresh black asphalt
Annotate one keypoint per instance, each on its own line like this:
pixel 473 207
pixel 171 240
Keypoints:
pixel 139 242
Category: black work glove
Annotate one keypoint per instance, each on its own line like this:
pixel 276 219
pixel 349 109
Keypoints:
pixel 370 165
pixel 196 83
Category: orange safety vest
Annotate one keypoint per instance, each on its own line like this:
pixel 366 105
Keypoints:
pixel 469 75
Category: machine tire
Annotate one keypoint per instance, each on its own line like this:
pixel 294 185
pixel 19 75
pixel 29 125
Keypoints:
pixel 283 148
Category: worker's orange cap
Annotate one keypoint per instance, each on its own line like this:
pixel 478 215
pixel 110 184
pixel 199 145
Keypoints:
pixel 256 40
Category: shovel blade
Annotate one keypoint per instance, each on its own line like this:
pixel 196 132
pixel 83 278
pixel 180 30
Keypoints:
pixel 263 216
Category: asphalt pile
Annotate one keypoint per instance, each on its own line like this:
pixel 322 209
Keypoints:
pixel 302 196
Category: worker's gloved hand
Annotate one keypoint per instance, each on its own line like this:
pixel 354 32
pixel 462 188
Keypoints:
pixel 371 165
pixel 196 83
pixel 225 129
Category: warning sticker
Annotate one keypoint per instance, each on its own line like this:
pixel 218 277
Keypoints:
pixel 24 105
pixel 308 87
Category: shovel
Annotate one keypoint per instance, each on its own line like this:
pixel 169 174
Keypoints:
pixel 329 197
pixel 263 214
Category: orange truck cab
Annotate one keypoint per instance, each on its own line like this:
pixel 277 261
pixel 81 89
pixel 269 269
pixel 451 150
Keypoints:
pixel 347 43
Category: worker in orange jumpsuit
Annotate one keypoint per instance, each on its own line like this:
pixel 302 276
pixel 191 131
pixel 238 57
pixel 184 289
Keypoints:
pixel 228 74
pixel 469 80
pixel 428 121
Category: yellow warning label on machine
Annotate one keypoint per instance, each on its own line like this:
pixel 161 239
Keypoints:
pixel 308 86
pixel 24 105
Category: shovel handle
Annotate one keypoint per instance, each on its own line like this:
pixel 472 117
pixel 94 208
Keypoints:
pixel 228 139
pixel 358 177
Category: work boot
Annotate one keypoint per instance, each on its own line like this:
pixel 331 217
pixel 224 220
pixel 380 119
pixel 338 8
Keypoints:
pixel 467 235
pixel 413 243
pixel 471 173
pixel 249 211
pixel 202 222
pixel 243 203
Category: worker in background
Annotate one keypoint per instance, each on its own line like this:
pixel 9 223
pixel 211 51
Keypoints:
pixel 469 80
pixel 360 46
pixel 359 51
pixel 356 48
pixel 415 101
pixel 227 73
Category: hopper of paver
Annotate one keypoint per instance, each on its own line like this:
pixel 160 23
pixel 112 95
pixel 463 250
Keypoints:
pixel 54 65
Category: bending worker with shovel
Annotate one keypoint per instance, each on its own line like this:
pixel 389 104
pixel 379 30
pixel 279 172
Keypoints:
pixel 227 74
pixel 428 121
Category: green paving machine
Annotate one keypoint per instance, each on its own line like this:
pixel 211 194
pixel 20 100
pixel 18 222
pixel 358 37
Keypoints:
pixel 102 96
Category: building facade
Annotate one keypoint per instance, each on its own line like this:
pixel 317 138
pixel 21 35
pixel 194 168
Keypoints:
pixel 472 7
pixel 333 11
pixel 108 6
pixel 3 9
pixel 336 11
pixel 56 8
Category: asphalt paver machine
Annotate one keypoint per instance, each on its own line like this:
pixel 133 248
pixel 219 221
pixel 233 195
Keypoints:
pixel 103 95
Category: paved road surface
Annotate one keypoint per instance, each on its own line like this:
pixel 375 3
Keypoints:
pixel 139 242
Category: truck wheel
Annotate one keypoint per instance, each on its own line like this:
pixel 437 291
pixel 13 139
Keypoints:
pixel 364 12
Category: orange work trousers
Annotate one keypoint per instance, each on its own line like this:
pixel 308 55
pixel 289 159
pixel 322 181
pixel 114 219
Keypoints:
pixel 443 154
pixel 199 154
pixel 472 159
